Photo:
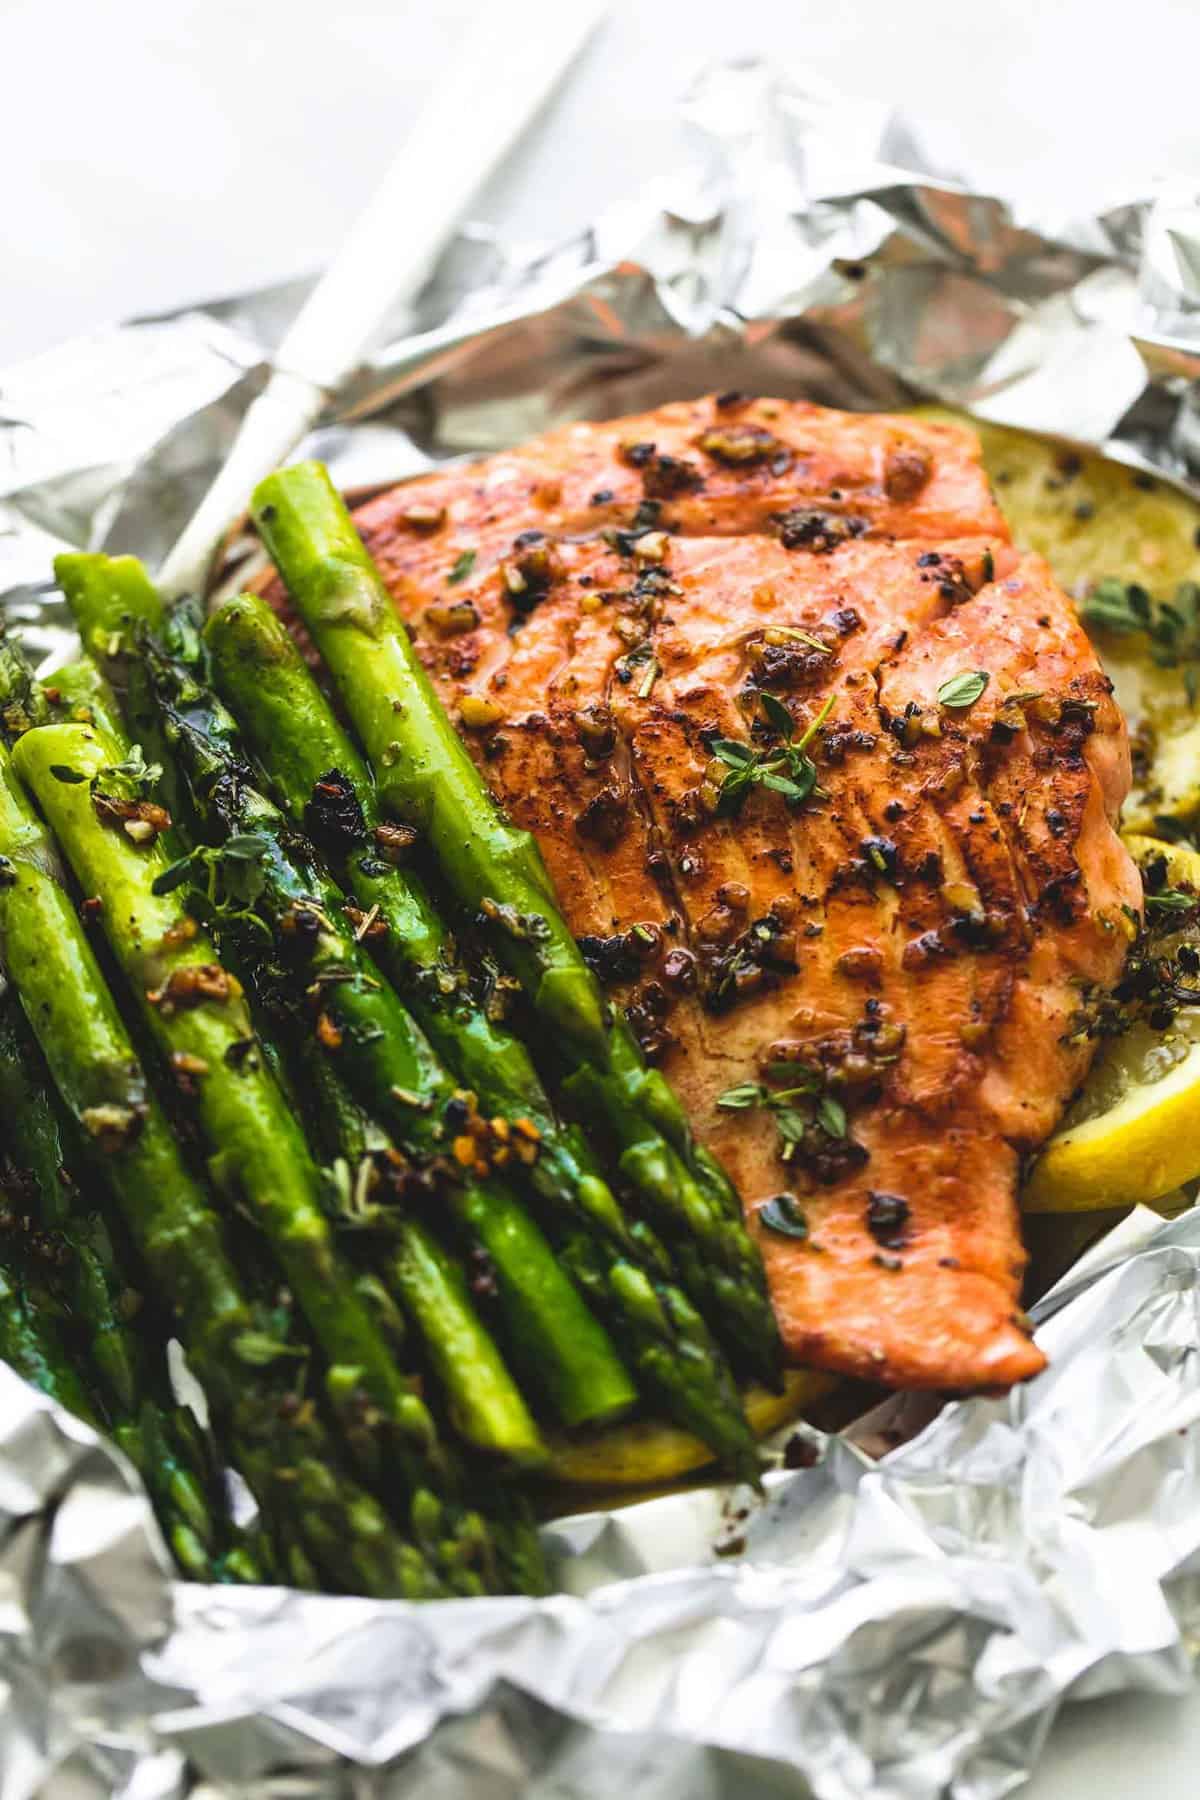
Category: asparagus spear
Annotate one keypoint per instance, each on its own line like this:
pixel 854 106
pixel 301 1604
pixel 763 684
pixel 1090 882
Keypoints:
pixel 126 1372
pixel 621 1270
pixel 197 1015
pixel 323 783
pixel 558 1343
pixel 426 776
pixel 485 1404
pixel 247 1366
pixel 297 926
pixel 32 1342
pixel 416 1266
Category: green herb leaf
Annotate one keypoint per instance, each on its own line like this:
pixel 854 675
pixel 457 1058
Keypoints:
pixel 732 753
pixel 782 784
pixel 245 846
pixel 791 1123
pixel 742 1097
pixel 783 1216
pixel 1173 900
pixel 70 777
pixel 785 770
pixel 814 725
pixel 776 714
pixel 831 1116
pixel 463 565
pixel 175 874
pixel 136 770
pixel 963 690
pixel 259 1350
pixel 803 1079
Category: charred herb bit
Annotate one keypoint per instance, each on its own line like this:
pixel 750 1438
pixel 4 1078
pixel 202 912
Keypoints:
pixel 605 817
pixel 597 730
pixel 787 658
pixel 887 1219
pixel 765 950
pixel 662 476
pixel 464 562
pixel 646 1016
pixel 523 928
pixel 642 663
pixel 531 571
pixel 804 528
pixel 612 959
pixel 333 817
pixel 882 855
pixel 783 1215
pixel 963 690
pixel 665 476
pixel 1160 977
pixel 738 445
pixel 625 539
pixel 905 473
pixel 786 770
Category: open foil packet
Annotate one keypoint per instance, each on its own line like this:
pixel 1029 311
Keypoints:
pixel 904 1627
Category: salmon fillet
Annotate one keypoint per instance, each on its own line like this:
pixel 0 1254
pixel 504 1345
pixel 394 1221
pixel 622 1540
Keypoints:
pixel 908 946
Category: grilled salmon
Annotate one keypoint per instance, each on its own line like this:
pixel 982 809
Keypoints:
pixel 865 977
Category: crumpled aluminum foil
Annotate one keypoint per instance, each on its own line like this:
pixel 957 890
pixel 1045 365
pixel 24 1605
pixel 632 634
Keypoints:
pixel 901 1627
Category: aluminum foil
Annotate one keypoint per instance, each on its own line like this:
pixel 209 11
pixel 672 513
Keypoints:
pixel 900 1626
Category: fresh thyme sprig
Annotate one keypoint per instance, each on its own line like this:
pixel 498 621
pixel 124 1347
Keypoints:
pixel 223 880
pixel 1172 626
pixel 785 769
pixel 797 1108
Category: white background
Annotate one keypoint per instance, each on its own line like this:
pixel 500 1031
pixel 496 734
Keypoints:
pixel 155 151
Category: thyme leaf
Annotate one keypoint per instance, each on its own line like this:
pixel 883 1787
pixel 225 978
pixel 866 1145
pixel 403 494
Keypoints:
pixel 783 1215
pixel 784 769
pixel 963 690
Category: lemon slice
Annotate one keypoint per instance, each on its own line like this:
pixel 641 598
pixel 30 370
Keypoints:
pixel 1133 1134
pixel 645 1454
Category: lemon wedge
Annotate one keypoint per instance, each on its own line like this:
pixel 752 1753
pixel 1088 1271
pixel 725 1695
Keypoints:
pixel 646 1454
pixel 1133 1134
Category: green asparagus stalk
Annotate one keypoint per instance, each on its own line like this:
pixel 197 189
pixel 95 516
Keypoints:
pixel 558 1343
pixel 196 1013
pixel 127 1373
pixel 298 926
pixel 81 694
pixel 32 1342
pixel 415 1265
pixel 484 1403
pixel 248 1367
pixel 324 785
pixel 426 776
pixel 35 1341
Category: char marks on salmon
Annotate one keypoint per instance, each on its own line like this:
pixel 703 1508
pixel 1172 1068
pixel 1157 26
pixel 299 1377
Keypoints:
pixel 860 962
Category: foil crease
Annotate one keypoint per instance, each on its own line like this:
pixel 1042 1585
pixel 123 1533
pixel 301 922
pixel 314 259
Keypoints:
pixel 899 1626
